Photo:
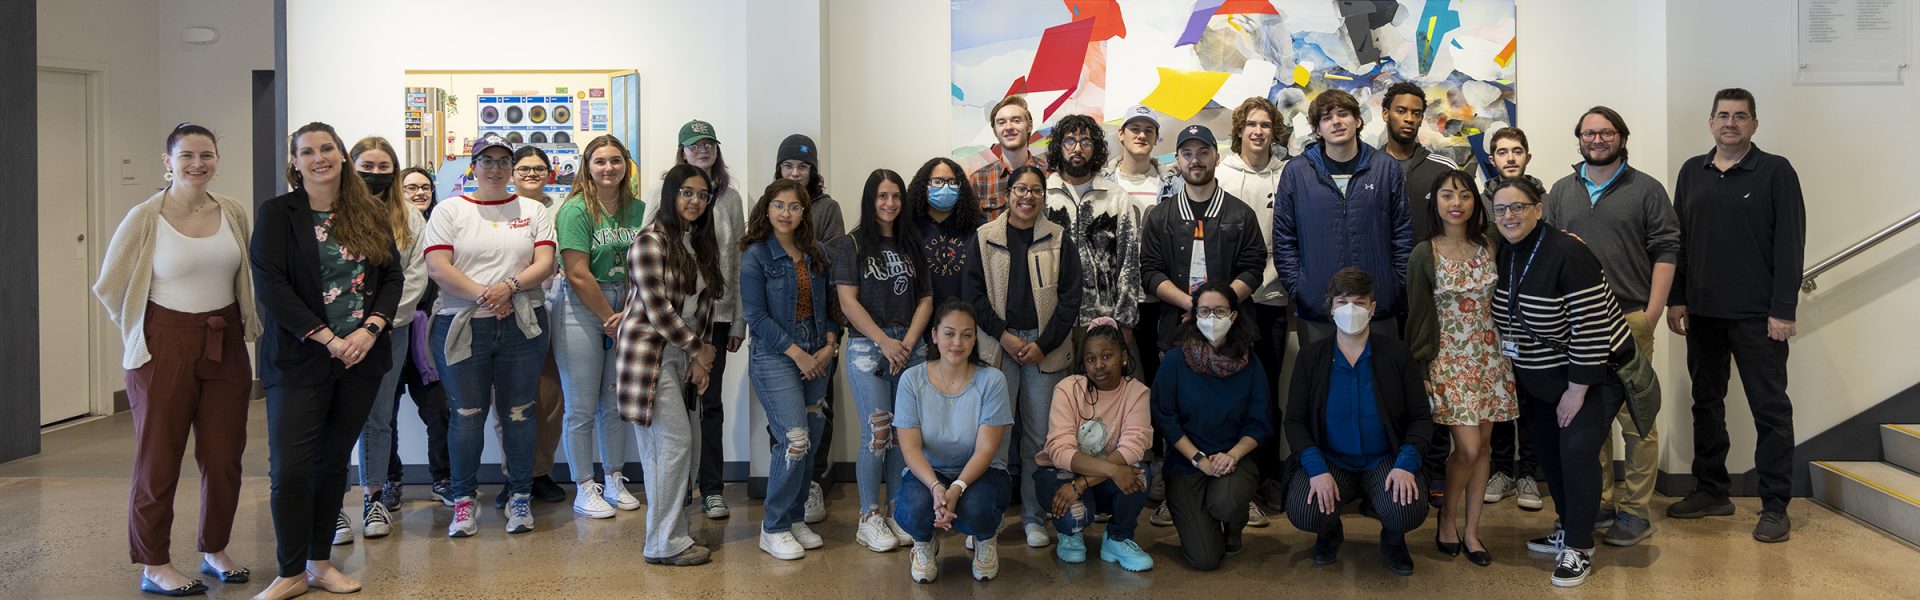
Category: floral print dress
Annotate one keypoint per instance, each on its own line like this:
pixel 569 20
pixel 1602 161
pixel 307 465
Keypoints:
pixel 342 278
pixel 1472 381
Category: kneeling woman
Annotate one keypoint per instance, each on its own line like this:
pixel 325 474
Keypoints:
pixel 1358 418
pixel 784 296
pixel 1097 439
pixel 1210 406
pixel 951 417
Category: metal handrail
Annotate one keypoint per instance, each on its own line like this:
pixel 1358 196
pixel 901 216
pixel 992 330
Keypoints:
pixel 1806 281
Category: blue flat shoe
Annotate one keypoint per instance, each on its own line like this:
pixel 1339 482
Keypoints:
pixel 240 575
pixel 192 589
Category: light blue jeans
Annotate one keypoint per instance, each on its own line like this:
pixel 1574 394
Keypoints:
pixel 376 437
pixel 503 373
pixel 793 413
pixel 873 388
pixel 1031 394
pixel 587 379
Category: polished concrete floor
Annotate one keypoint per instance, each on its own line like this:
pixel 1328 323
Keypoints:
pixel 63 518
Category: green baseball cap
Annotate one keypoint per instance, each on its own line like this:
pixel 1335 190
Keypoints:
pixel 695 131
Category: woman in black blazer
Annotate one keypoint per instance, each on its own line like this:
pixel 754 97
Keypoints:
pixel 328 279
pixel 1358 421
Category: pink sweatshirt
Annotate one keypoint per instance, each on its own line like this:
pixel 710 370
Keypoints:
pixel 1127 413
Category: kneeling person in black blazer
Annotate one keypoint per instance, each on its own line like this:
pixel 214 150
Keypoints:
pixel 1358 418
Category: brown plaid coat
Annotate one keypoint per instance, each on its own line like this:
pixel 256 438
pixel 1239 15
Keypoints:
pixel 655 297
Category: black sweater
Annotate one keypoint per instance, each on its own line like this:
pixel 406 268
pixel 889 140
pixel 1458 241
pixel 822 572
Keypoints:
pixel 1399 388
pixel 1564 297
pixel 1743 238
pixel 286 282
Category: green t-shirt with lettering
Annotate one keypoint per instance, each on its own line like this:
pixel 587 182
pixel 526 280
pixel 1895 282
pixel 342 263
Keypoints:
pixel 604 240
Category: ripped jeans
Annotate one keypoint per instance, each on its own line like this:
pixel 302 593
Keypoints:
pixel 792 406
pixel 873 387
pixel 503 373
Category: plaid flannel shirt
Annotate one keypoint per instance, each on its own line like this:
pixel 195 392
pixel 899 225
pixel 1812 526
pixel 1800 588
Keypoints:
pixel 656 295
pixel 990 182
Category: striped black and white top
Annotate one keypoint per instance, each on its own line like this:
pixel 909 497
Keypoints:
pixel 1563 296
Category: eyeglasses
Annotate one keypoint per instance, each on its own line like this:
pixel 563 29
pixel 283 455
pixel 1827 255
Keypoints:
pixel 1204 312
pixel 1738 117
pixel 1606 135
pixel 1517 208
pixel 492 163
pixel 417 188
pixel 1077 143
pixel 1025 191
pixel 704 147
pixel 529 170
pixel 687 193
pixel 941 181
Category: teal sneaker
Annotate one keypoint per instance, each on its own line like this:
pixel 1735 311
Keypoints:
pixel 1125 552
pixel 1072 548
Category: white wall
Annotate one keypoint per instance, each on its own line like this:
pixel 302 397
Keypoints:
pixel 1850 146
pixel 212 85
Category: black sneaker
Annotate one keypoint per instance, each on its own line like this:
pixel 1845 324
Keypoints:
pixel 1437 493
pixel 545 490
pixel 1235 542
pixel 1551 544
pixel 1394 554
pixel 1773 527
pixel 1326 546
pixel 1572 568
pixel 500 499
pixel 443 491
pixel 1699 504
pixel 390 495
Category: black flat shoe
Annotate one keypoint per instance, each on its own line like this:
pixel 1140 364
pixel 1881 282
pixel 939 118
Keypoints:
pixel 240 575
pixel 192 589
pixel 1452 549
pixel 1479 557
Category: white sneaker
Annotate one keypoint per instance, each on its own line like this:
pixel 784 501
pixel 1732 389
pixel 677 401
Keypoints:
pixel 899 533
pixel 465 515
pixel 874 533
pixel 816 504
pixel 1255 516
pixel 808 539
pixel 520 513
pixel 782 545
pixel 617 495
pixel 1037 536
pixel 926 563
pixel 342 530
pixel 986 560
pixel 587 501
pixel 375 521
pixel 1162 516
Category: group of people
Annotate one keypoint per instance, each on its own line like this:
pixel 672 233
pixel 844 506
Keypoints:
pixel 1082 332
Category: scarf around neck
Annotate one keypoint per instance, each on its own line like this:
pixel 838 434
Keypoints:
pixel 1203 358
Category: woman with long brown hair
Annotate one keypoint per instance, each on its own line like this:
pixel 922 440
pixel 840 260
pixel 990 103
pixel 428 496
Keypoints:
pixel 700 147
pixel 329 282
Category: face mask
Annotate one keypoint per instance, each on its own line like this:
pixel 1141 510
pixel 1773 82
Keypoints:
pixel 944 198
pixel 1215 328
pixel 1351 318
pixel 377 182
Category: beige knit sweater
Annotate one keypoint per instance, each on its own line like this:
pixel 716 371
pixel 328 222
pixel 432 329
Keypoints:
pixel 126 275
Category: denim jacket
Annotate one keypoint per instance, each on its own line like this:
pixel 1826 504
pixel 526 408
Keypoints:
pixel 768 287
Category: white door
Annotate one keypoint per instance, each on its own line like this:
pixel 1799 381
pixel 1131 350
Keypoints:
pixel 65 296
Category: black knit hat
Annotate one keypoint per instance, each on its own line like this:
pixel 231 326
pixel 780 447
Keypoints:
pixel 799 147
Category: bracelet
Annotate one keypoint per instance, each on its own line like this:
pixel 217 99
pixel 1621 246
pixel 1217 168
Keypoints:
pixel 1079 486
pixel 962 485
pixel 513 283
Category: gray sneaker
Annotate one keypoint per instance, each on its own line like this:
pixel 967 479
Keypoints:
pixel 1529 494
pixel 1498 488
pixel 1604 518
pixel 1773 527
pixel 1627 530
pixel 1161 516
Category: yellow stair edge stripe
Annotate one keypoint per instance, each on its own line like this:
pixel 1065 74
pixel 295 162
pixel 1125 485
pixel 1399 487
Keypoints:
pixel 1903 429
pixel 1851 475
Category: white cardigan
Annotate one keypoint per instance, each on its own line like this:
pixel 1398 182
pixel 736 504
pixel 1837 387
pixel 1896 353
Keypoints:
pixel 127 274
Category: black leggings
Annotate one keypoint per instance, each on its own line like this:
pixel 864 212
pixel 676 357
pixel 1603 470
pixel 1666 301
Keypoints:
pixel 1570 454
pixel 310 432
pixel 1395 519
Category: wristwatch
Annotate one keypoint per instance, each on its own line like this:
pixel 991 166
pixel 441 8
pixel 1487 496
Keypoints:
pixel 1197 457
pixel 371 327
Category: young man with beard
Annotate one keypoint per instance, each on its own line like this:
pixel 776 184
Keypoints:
pixel 1251 172
pixel 1199 233
pixel 1341 204
pixel 1515 470
pixel 1104 223
pixel 1624 216
pixel 1734 296
pixel 1404 106
pixel 1012 127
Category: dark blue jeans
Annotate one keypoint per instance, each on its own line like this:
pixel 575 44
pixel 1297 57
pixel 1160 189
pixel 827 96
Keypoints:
pixel 1103 498
pixel 502 373
pixel 979 513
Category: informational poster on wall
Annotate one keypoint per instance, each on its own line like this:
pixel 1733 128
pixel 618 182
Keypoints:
pixel 557 111
pixel 1852 41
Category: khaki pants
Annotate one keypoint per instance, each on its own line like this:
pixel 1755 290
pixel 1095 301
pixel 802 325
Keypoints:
pixel 1643 452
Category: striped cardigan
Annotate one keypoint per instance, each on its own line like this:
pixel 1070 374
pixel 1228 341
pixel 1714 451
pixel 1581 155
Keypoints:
pixel 1564 297
pixel 657 296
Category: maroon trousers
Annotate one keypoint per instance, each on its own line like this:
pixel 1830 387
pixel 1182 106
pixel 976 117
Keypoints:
pixel 198 380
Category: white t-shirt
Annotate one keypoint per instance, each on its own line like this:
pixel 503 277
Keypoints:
pixel 490 241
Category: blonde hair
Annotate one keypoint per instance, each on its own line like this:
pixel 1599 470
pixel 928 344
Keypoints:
pixel 358 223
pixel 397 206
pixel 584 186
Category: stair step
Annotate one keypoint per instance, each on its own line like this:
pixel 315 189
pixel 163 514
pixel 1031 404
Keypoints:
pixel 1901 443
pixel 1879 493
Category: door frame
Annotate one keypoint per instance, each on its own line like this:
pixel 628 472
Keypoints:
pixel 100 338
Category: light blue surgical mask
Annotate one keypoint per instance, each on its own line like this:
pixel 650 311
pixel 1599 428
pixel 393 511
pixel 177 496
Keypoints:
pixel 944 197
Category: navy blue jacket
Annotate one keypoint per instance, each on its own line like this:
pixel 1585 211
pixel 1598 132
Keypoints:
pixel 1317 230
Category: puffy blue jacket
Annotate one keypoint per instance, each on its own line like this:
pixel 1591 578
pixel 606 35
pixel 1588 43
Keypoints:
pixel 1317 230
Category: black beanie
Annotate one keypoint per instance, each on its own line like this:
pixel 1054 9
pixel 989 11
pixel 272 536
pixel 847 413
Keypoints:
pixel 801 148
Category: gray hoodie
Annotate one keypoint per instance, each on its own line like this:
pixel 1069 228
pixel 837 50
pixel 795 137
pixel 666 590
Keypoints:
pixel 1256 188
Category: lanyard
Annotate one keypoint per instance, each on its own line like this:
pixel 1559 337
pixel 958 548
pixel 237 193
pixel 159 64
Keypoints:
pixel 1513 289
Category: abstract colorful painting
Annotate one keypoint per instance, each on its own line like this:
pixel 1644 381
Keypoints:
pixel 1193 61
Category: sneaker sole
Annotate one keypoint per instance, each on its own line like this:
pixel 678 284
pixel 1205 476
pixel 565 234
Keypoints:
pixel 671 563
pixel 635 506
pixel 459 533
pixel 372 533
pixel 1104 557
pixel 1723 510
pixel 1530 506
pixel 1611 541
pixel 593 515
pixel 861 538
pixel 342 541
pixel 1492 499
pixel 520 530
pixel 793 556
pixel 1774 540
pixel 1531 547
pixel 718 516
pixel 1565 583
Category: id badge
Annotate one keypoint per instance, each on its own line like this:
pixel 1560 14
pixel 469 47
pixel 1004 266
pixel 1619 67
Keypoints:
pixel 1510 348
